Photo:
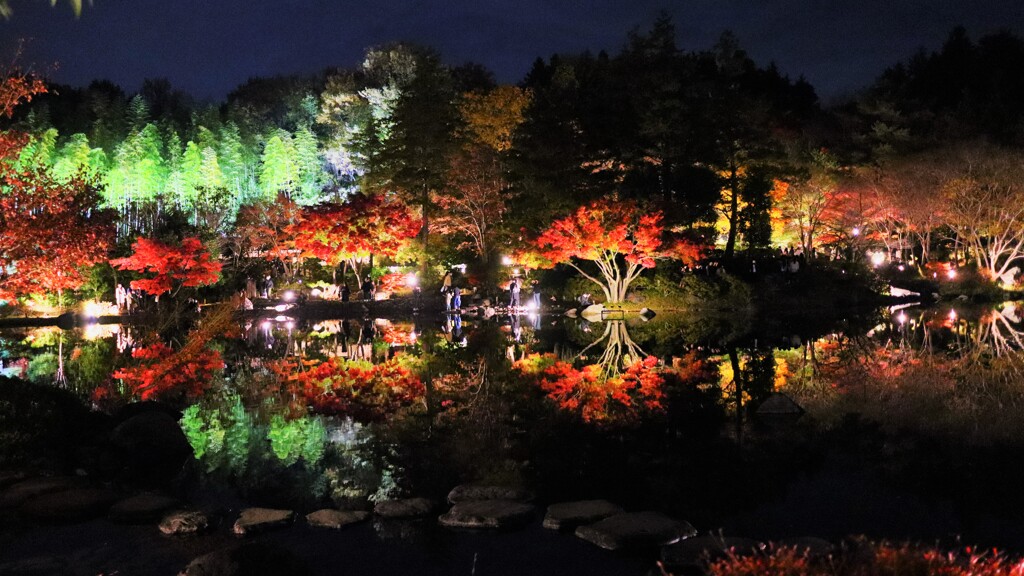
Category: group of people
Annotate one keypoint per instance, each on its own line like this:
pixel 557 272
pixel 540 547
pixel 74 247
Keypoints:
pixel 453 293
pixel 125 298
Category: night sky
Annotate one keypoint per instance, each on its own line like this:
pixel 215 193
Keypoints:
pixel 207 47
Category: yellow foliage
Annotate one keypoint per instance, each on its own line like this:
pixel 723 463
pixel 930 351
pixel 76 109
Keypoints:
pixel 491 118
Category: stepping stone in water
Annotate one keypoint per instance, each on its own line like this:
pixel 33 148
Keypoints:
pixel 141 508
pixel 567 515
pixel 407 508
pixel 255 520
pixel 487 514
pixel 335 519
pixel 692 553
pixel 474 492
pixel 69 506
pixel 635 530
pixel 184 522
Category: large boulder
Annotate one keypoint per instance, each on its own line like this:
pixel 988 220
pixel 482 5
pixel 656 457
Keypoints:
pixel 335 519
pixel 153 447
pixel 405 508
pixel 253 559
pixel 475 492
pixel 487 514
pixel 69 506
pixel 254 520
pixel 634 530
pixel 569 515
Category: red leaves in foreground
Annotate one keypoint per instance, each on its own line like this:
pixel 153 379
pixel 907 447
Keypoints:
pixel 350 387
pixel 172 266
pixel 161 371
pixel 594 393
pixel 869 559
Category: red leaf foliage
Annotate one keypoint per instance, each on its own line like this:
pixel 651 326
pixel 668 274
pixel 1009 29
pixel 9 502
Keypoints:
pixel 172 266
pixel 161 371
pixel 349 387
pixel 594 393
pixel 364 225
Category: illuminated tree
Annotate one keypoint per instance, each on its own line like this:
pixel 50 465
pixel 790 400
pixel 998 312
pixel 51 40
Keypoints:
pixel 263 230
pixel 617 237
pixel 50 231
pixel 278 171
pixel 352 232
pixel 172 267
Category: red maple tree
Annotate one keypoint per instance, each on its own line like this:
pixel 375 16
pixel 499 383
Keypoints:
pixel 161 371
pixel 618 237
pixel 263 229
pixel 172 267
pixel 365 225
pixel 50 232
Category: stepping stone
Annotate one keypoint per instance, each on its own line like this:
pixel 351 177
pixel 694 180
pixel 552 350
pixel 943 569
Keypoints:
pixel 69 506
pixel 568 515
pixel 184 522
pixel 811 546
pixel 255 520
pixel 142 508
pixel 22 491
pixel 487 514
pixel 253 559
pixel 474 492
pixel 407 508
pixel 635 530
pixel 335 519
pixel 693 553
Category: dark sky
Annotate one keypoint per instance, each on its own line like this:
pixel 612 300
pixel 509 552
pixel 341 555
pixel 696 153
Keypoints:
pixel 206 47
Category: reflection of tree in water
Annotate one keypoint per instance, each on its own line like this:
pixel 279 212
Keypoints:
pixel 614 385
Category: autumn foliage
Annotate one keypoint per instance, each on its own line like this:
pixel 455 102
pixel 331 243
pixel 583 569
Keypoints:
pixel 171 267
pixel 365 225
pixel 593 392
pixel 161 371
pixel 50 231
pixel 349 387
pixel 618 237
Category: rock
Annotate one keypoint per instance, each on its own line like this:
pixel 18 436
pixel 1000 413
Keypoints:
pixel 141 508
pixel 18 493
pixel 692 553
pixel 69 506
pixel 646 314
pixel 571 312
pixel 255 520
pixel 183 522
pixel 254 559
pixel 41 566
pixel 153 446
pixel 815 548
pixel 635 530
pixel 593 313
pixel 568 515
pixel 335 519
pixel 487 514
pixel 407 508
pixel 473 492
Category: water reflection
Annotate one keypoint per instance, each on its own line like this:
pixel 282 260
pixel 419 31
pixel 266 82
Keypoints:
pixel 356 409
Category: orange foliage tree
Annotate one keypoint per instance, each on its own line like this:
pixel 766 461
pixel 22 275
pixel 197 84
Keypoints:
pixel 618 237
pixel 263 229
pixel 50 232
pixel 365 225
pixel 172 267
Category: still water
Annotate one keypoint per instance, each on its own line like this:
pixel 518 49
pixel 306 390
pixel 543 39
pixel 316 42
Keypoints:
pixel 909 409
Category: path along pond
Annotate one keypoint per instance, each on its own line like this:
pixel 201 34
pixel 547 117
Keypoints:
pixel 908 426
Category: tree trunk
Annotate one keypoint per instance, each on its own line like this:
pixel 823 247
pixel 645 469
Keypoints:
pixel 734 216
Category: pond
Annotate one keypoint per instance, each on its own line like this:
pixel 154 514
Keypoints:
pixel 910 420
